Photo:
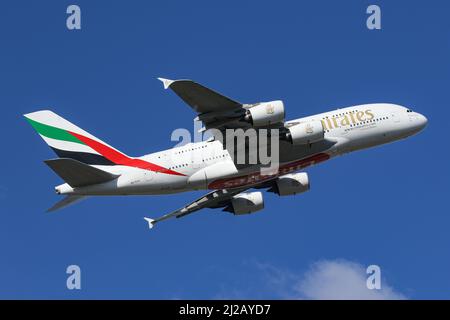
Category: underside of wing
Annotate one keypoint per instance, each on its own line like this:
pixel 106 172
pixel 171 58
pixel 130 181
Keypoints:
pixel 200 98
pixel 217 111
pixel 213 199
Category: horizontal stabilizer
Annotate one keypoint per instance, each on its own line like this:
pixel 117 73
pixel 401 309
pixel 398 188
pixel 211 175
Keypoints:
pixel 67 201
pixel 78 174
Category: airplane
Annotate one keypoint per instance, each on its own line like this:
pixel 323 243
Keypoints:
pixel 91 167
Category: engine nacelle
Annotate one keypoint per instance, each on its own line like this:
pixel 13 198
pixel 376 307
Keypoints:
pixel 265 113
pixel 306 132
pixel 291 184
pixel 247 202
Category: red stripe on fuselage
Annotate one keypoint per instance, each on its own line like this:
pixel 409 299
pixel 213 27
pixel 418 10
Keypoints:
pixel 121 159
pixel 257 177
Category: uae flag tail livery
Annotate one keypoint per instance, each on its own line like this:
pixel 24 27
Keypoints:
pixel 69 141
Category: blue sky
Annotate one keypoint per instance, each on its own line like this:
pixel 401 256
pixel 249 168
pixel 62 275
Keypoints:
pixel 386 206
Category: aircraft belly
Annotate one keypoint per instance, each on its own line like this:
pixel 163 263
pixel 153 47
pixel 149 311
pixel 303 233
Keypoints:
pixel 257 177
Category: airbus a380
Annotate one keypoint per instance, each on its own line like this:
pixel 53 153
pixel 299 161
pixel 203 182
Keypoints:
pixel 90 167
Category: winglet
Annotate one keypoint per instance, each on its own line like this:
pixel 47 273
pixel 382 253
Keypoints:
pixel 151 222
pixel 166 82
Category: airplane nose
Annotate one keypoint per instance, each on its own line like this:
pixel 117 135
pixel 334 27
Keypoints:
pixel 421 121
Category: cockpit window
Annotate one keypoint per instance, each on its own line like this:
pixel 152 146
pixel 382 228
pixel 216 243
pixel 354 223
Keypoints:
pixel 409 110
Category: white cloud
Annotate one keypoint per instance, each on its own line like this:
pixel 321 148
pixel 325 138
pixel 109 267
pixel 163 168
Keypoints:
pixel 341 279
pixel 326 279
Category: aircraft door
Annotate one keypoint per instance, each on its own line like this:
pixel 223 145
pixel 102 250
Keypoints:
pixel 197 157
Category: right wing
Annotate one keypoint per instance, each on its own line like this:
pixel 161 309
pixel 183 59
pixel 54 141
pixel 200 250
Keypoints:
pixel 200 98
pixel 215 110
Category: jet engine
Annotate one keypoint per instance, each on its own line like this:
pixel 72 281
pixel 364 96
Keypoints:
pixel 291 184
pixel 245 203
pixel 265 113
pixel 306 132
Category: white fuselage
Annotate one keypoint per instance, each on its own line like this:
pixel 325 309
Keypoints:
pixel 201 164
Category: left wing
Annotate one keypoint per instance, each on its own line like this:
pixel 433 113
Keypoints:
pixel 214 199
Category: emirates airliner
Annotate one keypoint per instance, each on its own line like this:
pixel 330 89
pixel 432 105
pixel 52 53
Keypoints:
pixel 90 167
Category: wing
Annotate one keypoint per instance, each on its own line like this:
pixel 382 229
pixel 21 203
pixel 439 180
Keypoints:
pixel 200 98
pixel 215 110
pixel 214 199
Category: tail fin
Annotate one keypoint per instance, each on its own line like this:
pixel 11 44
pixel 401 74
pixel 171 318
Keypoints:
pixel 70 141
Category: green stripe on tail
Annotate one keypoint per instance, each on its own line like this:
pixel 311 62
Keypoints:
pixel 53 132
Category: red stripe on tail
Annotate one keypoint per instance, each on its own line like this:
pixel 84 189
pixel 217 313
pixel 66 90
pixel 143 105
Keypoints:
pixel 122 159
